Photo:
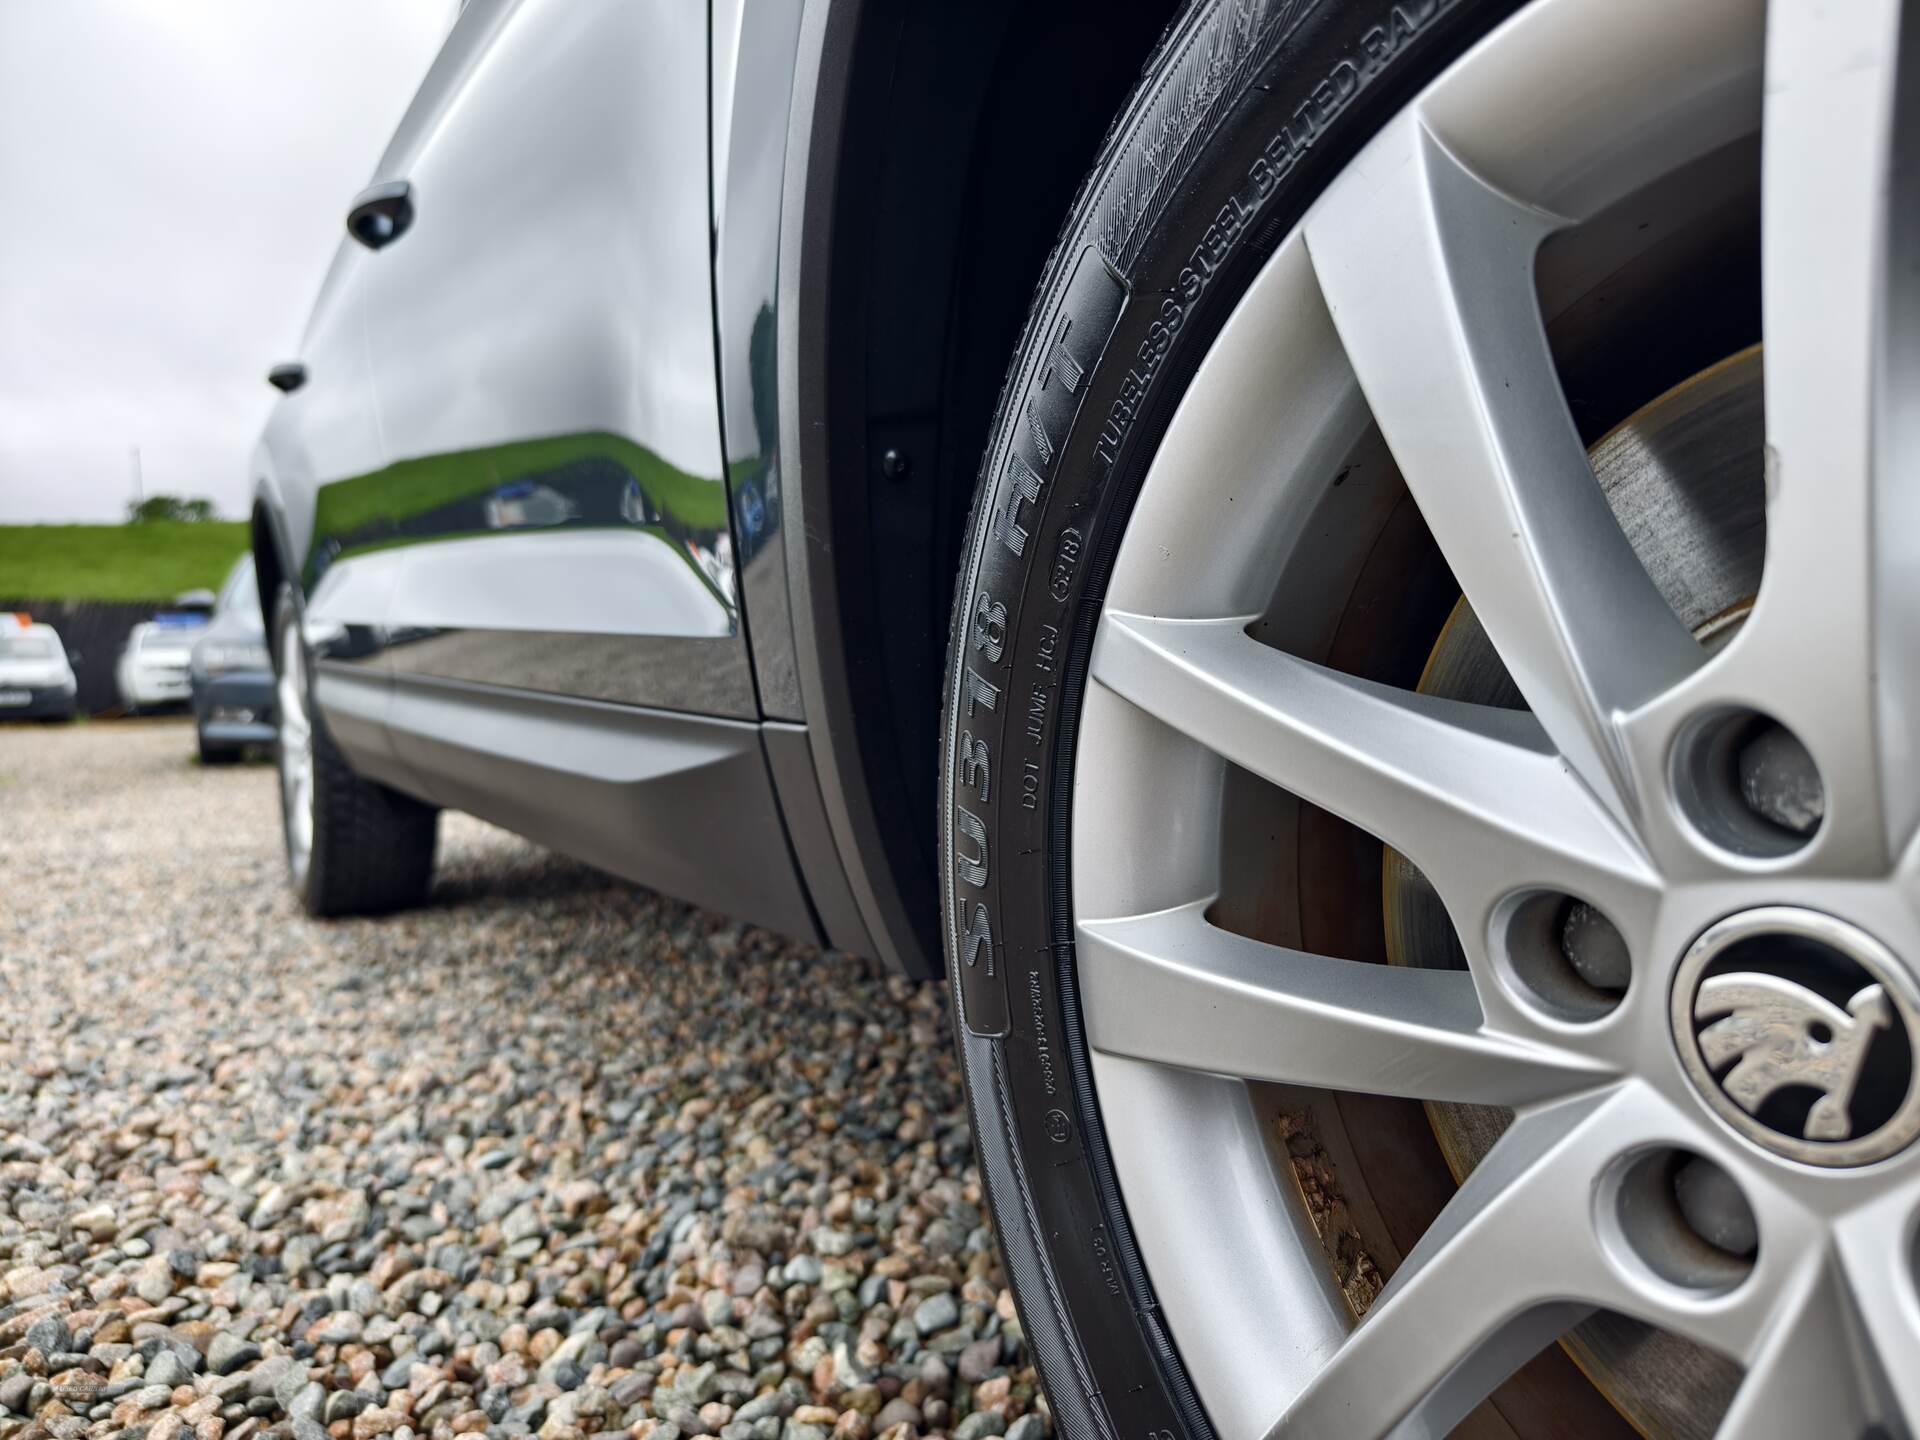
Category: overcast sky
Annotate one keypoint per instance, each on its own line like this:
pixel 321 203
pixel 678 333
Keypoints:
pixel 174 178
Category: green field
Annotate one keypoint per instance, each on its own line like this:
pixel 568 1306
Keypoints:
pixel 151 561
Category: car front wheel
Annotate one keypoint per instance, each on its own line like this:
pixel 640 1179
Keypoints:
pixel 1429 786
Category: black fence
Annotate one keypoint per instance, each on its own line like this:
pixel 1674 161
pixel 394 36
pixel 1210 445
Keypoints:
pixel 93 632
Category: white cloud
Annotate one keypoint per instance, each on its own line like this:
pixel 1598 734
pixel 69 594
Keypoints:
pixel 175 176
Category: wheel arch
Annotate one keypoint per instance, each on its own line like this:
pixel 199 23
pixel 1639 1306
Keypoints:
pixel 270 563
pixel 932 157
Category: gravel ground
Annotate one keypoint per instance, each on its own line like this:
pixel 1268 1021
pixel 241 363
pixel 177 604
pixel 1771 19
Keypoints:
pixel 552 1156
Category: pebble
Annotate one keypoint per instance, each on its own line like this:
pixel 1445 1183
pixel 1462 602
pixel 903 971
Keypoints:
pixel 935 1313
pixel 978 1360
pixel 14 1391
pixel 167 1368
pixel 227 1353
pixel 553 1156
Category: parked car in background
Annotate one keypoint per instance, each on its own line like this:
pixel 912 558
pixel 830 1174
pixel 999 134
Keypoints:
pixel 231 672
pixel 152 671
pixel 36 673
pixel 1399 726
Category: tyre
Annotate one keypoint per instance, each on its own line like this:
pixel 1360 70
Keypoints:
pixel 354 846
pixel 1398 670
pixel 216 754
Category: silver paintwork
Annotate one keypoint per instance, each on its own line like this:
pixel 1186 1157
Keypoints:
pixel 754 60
pixel 503 494
pixel 510 421
pixel 542 334
pixel 1411 284
pixel 1762 1026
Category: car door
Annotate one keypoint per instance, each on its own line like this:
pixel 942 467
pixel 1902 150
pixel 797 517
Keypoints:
pixel 541 337
pixel 315 462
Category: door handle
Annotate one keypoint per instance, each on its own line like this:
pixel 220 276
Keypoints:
pixel 288 376
pixel 381 214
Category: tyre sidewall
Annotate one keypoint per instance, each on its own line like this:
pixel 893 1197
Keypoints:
pixel 1194 190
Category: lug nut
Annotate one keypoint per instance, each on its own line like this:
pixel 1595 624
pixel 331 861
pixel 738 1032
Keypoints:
pixel 1779 780
pixel 1594 948
pixel 1714 1208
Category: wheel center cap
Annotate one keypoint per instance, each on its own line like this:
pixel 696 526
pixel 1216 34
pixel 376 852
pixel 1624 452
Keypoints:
pixel 1798 1029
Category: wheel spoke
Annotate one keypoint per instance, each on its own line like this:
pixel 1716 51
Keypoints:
pixel 1828 648
pixel 1171 988
pixel 1428 274
pixel 1472 794
pixel 1874 1249
pixel 1508 1266
pixel 1803 1377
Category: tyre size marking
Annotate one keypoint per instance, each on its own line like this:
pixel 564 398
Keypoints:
pixel 1298 133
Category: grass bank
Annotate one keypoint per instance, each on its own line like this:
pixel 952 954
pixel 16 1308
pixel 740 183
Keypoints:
pixel 155 560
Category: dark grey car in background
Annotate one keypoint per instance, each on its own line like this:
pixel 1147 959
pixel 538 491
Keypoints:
pixel 232 672
pixel 1395 712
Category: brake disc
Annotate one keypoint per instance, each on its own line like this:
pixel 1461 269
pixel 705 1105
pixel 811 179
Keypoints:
pixel 1684 476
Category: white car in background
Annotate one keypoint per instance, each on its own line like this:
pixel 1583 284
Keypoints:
pixel 154 669
pixel 36 677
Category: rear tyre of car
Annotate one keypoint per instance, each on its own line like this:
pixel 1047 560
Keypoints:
pixel 354 846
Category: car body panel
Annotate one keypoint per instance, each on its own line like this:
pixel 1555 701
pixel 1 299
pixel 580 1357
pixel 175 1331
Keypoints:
pixel 542 566
pixel 679 802
pixel 541 342
pixel 754 47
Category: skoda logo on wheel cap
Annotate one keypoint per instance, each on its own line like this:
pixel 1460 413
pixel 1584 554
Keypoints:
pixel 1799 1031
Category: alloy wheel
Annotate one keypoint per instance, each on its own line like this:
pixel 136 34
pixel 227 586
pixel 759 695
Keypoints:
pixel 1681 877
pixel 294 750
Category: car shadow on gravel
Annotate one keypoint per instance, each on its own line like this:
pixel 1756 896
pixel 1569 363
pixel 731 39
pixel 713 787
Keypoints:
pixel 530 875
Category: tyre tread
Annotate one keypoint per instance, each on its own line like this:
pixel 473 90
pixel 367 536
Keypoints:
pixel 373 847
